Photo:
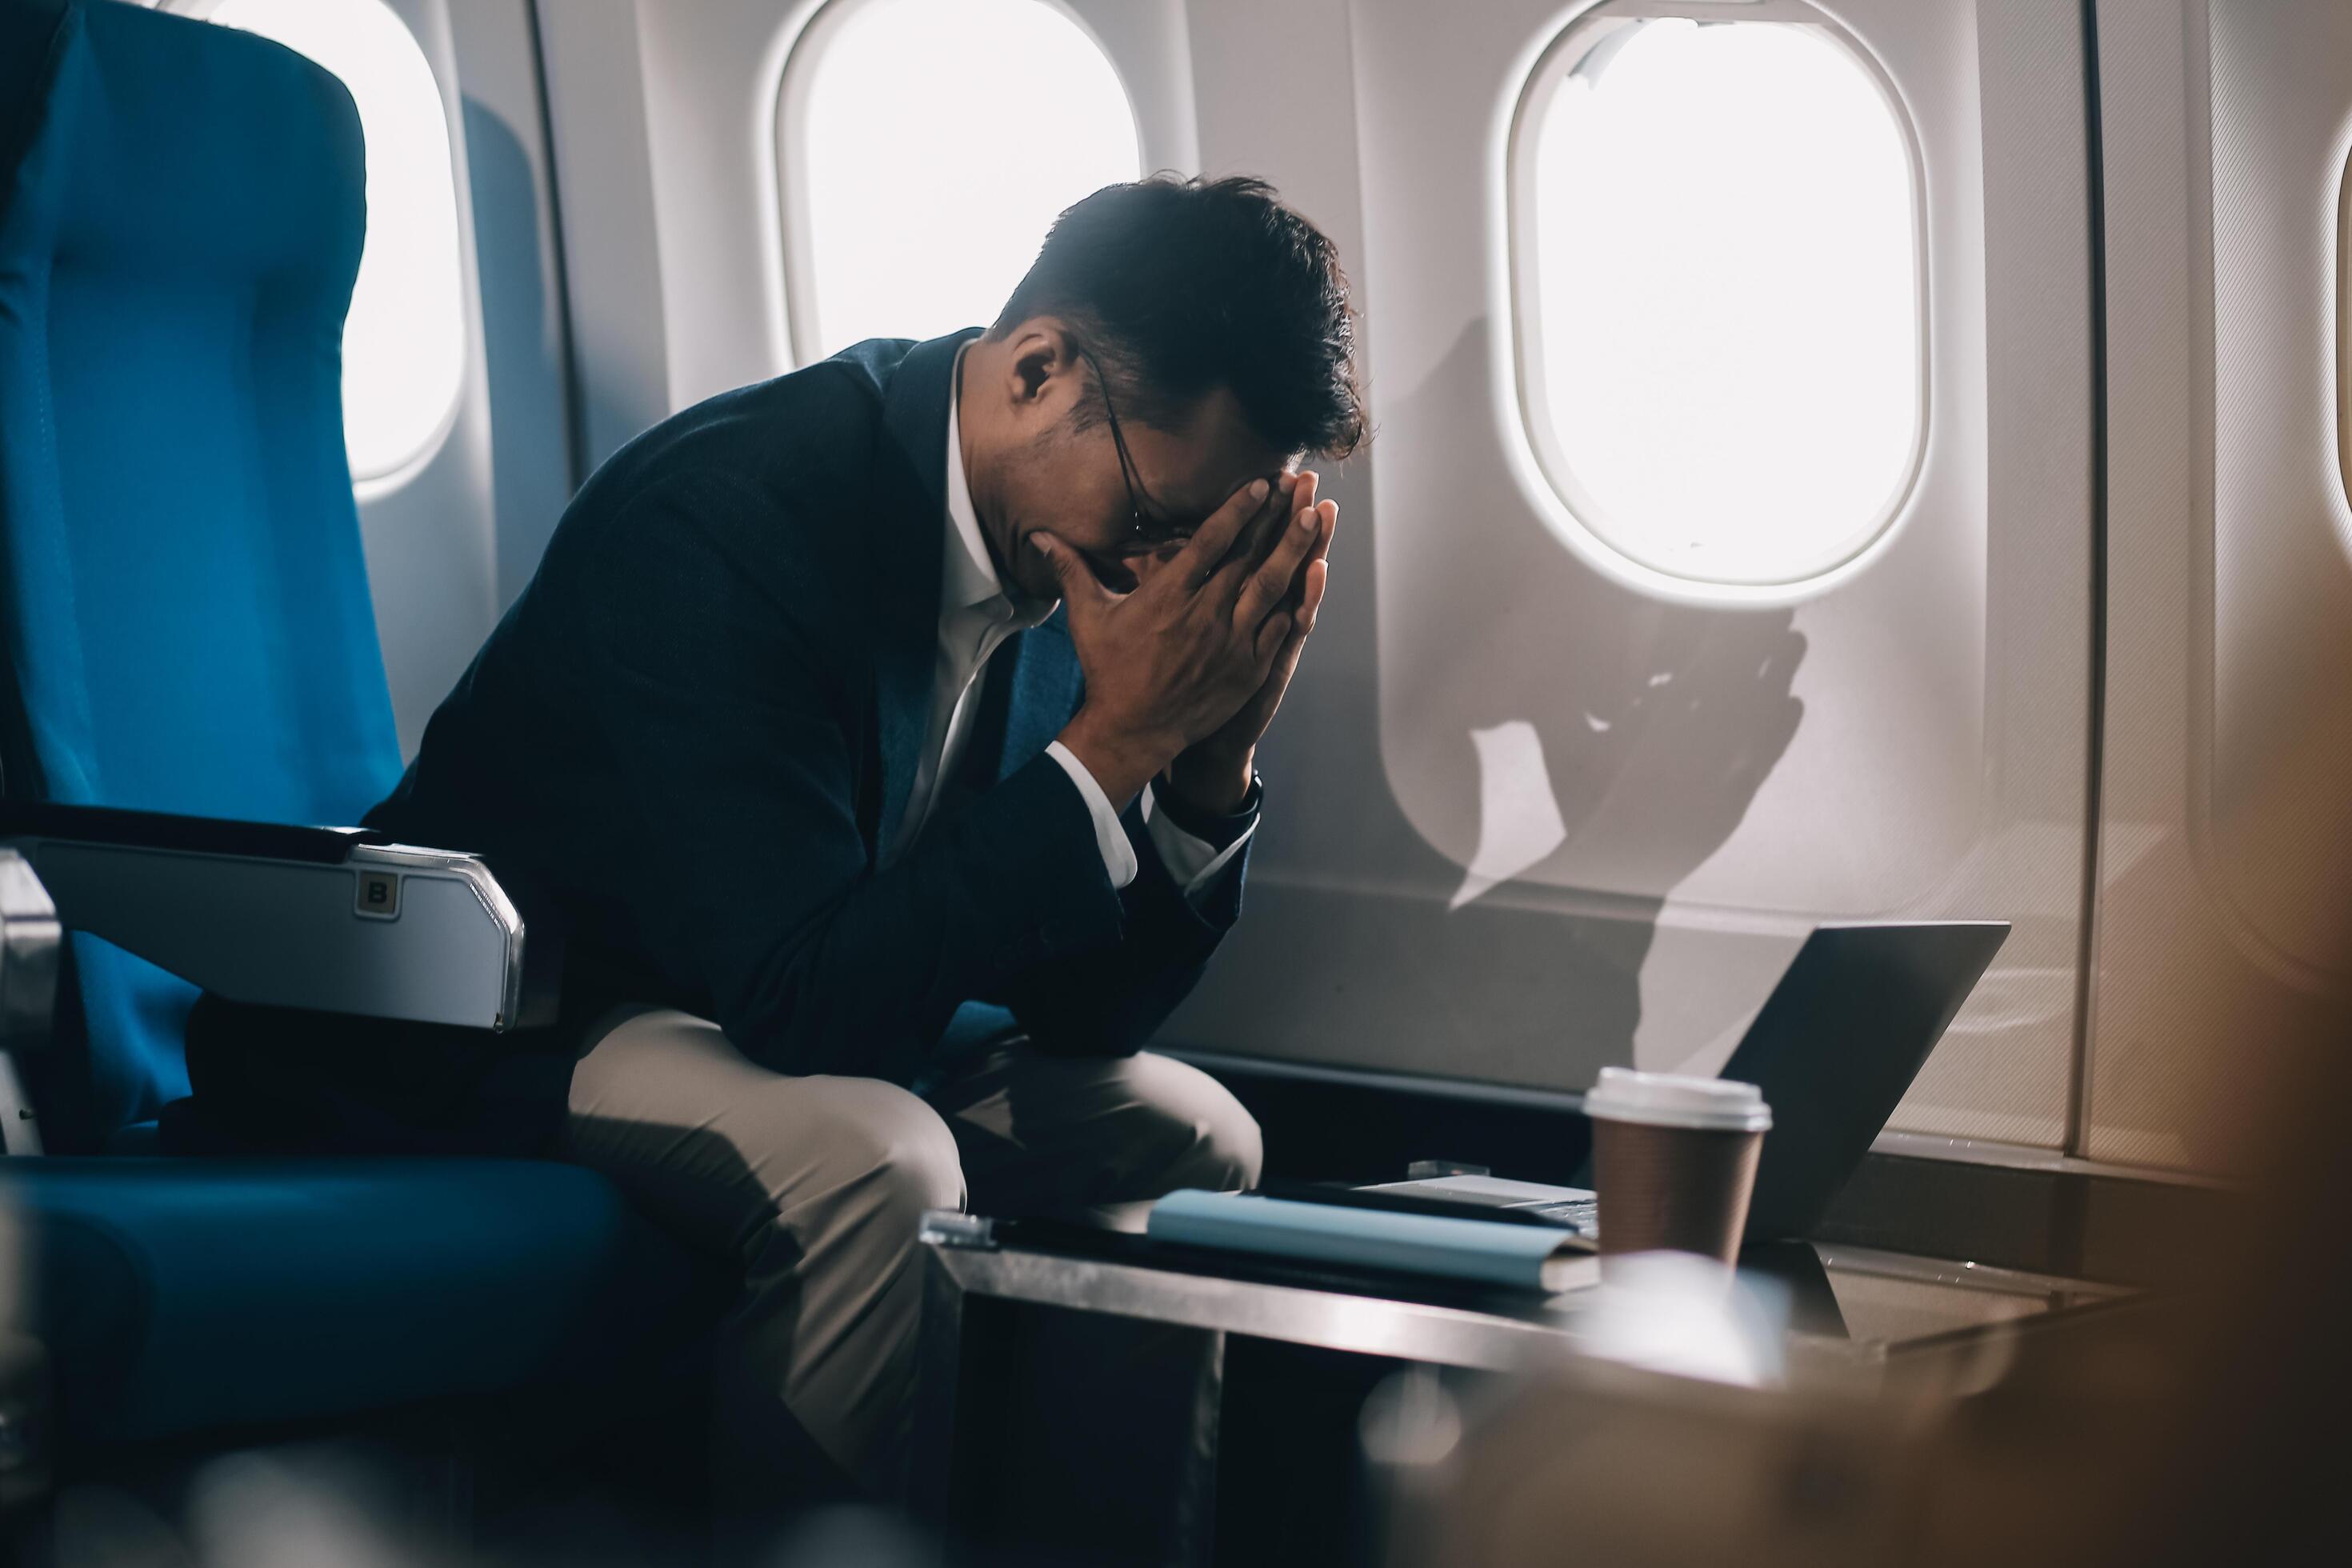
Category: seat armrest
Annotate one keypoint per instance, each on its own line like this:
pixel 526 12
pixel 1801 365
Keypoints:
pixel 334 920
pixel 29 939
pixel 29 942
pixel 162 830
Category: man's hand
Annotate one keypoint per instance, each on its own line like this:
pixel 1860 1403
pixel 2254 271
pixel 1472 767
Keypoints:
pixel 1214 774
pixel 1172 661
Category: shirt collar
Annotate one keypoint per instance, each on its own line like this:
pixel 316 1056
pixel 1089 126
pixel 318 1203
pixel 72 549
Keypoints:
pixel 968 577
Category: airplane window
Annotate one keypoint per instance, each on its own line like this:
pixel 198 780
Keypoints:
pixel 921 219
pixel 2344 330
pixel 1718 294
pixel 405 339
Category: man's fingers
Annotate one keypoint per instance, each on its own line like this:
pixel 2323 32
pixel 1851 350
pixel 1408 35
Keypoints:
pixel 1327 516
pixel 1257 545
pixel 1147 567
pixel 1271 637
pixel 1214 537
pixel 1280 507
pixel 1270 584
pixel 1079 583
pixel 1259 535
pixel 1301 621
pixel 1310 597
pixel 1301 497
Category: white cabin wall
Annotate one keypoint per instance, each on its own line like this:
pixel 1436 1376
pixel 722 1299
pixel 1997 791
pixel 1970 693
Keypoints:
pixel 710 73
pixel 2226 728
pixel 2005 1071
pixel 520 266
pixel 612 255
pixel 1938 768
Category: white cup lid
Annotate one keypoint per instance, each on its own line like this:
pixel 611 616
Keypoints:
pixel 1669 1099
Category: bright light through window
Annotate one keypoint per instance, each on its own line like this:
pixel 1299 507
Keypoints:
pixel 1719 314
pixel 405 339
pixel 933 144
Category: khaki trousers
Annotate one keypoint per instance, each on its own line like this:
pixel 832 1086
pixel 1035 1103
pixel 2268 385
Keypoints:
pixel 815 1185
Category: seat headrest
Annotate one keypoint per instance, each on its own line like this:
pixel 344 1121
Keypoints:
pixel 185 144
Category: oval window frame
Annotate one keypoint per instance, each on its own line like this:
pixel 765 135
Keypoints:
pixel 1545 477
pixel 377 481
pixel 2343 334
pixel 796 239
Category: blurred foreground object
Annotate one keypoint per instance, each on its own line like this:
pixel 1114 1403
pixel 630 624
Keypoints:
pixel 26 1465
pixel 1629 1468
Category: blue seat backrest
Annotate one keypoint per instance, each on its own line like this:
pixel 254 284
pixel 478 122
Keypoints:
pixel 182 591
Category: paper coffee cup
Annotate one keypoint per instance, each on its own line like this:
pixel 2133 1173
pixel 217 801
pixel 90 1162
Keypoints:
pixel 1675 1160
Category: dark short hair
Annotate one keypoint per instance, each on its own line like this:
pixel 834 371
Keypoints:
pixel 1183 286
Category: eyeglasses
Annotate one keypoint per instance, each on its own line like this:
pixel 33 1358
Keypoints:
pixel 1145 531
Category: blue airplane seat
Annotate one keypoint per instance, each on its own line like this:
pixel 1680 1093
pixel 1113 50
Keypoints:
pixel 188 604
pixel 180 1297
pixel 186 618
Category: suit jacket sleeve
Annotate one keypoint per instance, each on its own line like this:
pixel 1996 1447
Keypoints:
pixel 1109 1001
pixel 736 833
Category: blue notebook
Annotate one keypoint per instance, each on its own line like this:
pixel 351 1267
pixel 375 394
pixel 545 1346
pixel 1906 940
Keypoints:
pixel 1491 1252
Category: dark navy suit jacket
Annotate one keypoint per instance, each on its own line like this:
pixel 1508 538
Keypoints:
pixel 688 736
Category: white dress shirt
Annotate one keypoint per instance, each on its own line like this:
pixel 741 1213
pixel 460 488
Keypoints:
pixel 976 615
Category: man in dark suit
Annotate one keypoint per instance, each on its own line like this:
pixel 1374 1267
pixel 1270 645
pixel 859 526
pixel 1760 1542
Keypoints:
pixel 882 737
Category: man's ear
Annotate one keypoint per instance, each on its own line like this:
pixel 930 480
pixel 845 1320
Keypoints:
pixel 1041 352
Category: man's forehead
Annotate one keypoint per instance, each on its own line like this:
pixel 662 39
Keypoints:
pixel 1214 454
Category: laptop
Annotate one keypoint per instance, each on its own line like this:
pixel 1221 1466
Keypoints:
pixel 1834 1048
